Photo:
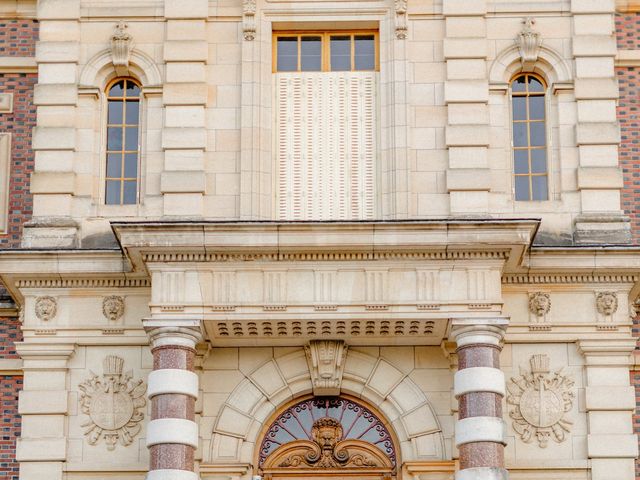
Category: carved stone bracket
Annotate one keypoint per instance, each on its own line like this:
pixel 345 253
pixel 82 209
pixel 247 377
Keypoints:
pixel 529 43
pixel 249 19
pixel 121 45
pixel 114 404
pixel 539 402
pixel 401 19
pixel 326 364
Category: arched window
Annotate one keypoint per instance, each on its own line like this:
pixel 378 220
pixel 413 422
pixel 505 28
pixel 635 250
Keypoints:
pixel 529 138
pixel 123 150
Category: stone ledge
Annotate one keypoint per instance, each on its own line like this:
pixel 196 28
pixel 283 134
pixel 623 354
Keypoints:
pixel 18 65
pixel 598 229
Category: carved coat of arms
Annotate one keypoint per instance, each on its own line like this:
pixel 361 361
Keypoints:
pixel 540 401
pixel 113 403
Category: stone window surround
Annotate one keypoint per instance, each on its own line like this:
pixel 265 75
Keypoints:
pixel 556 73
pixel 96 75
pixel 392 199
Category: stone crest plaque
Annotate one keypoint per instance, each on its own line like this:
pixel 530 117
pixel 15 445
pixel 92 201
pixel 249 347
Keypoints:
pixel 113 403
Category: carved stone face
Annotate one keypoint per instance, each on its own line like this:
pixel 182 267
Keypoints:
pixel 113 307
pixel 326 432
pixel 607 303
pixel 46 308
pixel 539 303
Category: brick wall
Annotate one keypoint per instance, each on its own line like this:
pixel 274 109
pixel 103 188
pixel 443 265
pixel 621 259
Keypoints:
pixel 628 36
pixel 17 38
pixel 10 385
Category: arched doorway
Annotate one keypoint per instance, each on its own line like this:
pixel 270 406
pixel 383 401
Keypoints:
pixel 327 437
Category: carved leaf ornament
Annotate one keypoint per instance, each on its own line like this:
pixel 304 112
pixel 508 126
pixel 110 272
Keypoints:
pixel 327 433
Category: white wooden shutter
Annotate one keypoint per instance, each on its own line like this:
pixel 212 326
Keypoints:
pixel 326 145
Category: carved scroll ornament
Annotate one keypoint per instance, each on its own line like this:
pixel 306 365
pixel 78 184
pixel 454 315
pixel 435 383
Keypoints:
pixel 121 44
pixel 540 402
pixel 326 363
pixel 529 43
pixel 328 451
pixel 114 404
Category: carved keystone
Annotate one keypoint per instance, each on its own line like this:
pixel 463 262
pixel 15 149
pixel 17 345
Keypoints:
pixel 326 364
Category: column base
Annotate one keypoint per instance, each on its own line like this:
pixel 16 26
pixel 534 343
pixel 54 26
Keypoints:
pixel 172 475
pixel 482 473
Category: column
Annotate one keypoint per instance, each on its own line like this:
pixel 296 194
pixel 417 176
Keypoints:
pixel 184 136
pixel 466 94
pixel 479 386
pixel 610 402
pixel 597 133
pixel 44 406
pixel 172 433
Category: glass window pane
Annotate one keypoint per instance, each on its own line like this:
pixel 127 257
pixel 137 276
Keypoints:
pixel 365 52
pixel 112 193
pixel 114 165
pixel 311 54
pixel 287 54
pixel 539 160
pixel 114 138
pixel 519 85
pixel 539 187
pixel 521 161
pixel 132 112
pixel 131 142
pixel 536 108
pixel 130 192
pixel 535 85
pixel 117 90
pixel 537 133
pixel 115 112
pixel 522 188
pixel 520 135
pixel 519 108
pixel 340 53
pixel 131 165
pixel 132 89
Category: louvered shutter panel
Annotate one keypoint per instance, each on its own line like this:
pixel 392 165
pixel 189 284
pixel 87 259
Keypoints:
pixel 326 145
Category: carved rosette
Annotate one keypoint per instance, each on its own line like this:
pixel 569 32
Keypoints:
pixel 114 404
pixel 249 19
pixel 540 401
pixel 121 43
pixel 401 19
pixel 113 307
pixel 529 43
pixel 326 364
pixel 46 308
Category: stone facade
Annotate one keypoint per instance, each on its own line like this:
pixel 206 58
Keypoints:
pixel 164 338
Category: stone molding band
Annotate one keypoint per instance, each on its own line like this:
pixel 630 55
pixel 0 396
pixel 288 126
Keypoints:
pixel 172 381
pixel 172 430
pixel 476 379
pixel 482 473
pixel 480 429
pixel 172 475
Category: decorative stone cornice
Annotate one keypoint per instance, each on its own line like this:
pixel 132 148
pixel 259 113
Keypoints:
pixel 567 278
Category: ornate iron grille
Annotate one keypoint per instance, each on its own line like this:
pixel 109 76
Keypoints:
pixel 358 423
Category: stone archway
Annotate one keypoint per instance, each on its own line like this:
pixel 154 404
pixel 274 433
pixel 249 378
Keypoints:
pixel 278 381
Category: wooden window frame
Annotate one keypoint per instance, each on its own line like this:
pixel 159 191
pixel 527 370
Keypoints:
pixel 529 148
pixel 325 48
pixel 122 179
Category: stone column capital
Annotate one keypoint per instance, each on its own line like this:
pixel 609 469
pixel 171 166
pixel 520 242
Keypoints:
pixel 473 331
pixel 178 333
